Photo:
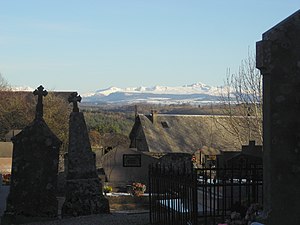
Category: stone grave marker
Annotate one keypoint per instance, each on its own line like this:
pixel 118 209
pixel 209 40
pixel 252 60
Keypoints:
pixel 83 187
pixel 278 58
pixel 34 170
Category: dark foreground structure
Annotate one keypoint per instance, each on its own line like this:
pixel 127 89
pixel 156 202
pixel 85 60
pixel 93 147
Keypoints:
pixel 278 58
pixel 202 196
pixel 34 171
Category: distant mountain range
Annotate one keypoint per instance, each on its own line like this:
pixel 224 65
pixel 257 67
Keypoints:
pixel 197 93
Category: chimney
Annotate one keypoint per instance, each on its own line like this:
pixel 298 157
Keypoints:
pixel 135 110
pixel 249 147
pixel 153 116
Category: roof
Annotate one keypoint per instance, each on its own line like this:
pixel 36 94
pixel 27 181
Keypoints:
pixel 39 131
pixel 6 149
pixel 10 134
pixel 292 19
pixel 168 133
pixel 252 149
pixel 210 151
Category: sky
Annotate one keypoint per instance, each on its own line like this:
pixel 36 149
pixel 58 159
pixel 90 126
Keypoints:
pixel 95 44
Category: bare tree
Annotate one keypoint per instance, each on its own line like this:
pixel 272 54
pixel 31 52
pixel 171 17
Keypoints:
pixel 12 113
pixel 56 115
pixel 17 109
pixel 242 101
pixel 4 86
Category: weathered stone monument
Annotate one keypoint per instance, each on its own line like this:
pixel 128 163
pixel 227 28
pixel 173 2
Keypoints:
pixel 34 170
pixel 278 58
pixel 83 187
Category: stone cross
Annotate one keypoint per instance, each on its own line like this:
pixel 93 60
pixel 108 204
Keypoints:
pixel 40 92
pixel 74 97
pixel 83 187
pixel 32 195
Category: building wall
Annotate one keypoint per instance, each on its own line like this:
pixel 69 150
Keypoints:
pixel 117 173
pixel 5 165
pixel 6 151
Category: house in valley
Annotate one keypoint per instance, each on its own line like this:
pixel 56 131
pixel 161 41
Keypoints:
pixel 124 166
pixel 174 140
pixel 203 136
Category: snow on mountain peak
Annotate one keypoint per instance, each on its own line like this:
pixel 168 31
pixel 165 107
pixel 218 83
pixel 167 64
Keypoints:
pixel 196 93
pixel 22 88
pixel 108 91
pixel 196 88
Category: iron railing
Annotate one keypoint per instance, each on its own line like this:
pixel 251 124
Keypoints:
pixel 228 189
pixel 172 196
pixel 186 196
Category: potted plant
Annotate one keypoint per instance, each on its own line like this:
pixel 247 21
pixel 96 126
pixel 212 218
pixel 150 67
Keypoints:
pixel 138 189
pixel 107 189
pixel 6 179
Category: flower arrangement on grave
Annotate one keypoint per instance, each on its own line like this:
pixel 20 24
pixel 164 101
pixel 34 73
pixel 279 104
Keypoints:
pixel 138 189
pixel 107 189
pixel 6 178
pixel 194 160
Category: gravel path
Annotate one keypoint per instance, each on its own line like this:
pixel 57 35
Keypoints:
pixel 116 218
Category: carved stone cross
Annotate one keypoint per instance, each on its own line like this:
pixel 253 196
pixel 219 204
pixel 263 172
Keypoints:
pixel 74 97
pixel 40 92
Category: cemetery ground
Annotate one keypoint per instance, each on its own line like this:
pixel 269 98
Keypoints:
pixel 116 218
pixel 124 209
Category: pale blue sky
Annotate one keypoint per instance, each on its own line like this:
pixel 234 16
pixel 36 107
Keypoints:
pixel 87 45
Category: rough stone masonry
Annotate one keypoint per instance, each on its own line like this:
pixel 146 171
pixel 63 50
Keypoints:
pixel 34 170
pixel 278 58
pixel 83 187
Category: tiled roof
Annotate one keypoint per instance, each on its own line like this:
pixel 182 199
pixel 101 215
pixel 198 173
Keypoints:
pixel 187 133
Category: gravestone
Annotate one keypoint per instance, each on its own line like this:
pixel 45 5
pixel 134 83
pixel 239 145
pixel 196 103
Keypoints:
pixel 278 58
pixel 34 170
pixel 83 187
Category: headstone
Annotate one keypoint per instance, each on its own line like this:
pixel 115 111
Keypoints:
pixel 34 170
pixel 83 187
pixel 278 58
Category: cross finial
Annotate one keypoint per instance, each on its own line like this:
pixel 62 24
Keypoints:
pixel 74 97
pixel 40 92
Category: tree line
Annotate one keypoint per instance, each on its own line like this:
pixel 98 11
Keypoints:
pixel 17 110
pixel 241 96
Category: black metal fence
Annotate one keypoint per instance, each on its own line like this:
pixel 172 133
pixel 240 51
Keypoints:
pixel 188 196
pixel 228 189
pixel 172 195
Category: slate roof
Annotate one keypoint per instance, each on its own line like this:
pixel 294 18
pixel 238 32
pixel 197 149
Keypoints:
pixel 11 134
pixel 185 133
pixel 210 151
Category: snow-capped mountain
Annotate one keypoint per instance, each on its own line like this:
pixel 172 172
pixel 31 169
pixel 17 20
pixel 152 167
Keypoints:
pixel 197 88
pixel 22 88
pixel 193 94
pixel 197 93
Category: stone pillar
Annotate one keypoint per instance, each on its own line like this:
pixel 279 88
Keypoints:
pixel 83 187
pixel 278 58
